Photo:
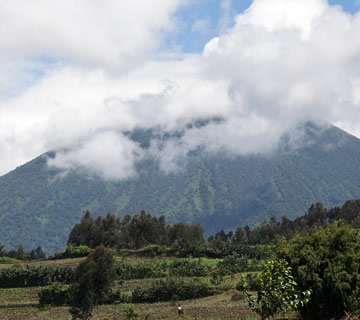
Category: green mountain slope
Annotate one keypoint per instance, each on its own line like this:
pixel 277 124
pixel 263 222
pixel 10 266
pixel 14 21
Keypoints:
pixel 39 207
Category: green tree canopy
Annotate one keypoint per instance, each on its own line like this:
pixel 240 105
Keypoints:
pixel 328 262
pixel 92 282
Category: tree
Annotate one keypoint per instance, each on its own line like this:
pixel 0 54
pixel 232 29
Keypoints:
pixel 2 250
pixel 277 291
pixel 328 262
pixel 36 254
pixel 92 282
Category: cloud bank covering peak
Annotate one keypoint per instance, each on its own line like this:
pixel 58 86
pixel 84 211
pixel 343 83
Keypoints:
pixel 77 76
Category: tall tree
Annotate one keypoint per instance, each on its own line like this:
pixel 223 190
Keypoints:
pixel 92 283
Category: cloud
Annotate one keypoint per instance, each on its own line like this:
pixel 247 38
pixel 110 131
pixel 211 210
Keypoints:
pixel 107 154
pixel 110 34
pixel 283 62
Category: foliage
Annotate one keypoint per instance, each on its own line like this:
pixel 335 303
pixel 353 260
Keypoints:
pixel 30 276
pixel 188 268
pixel 73 252
pixel 37 254
pixel 2 250
pixel 92 282
pixel 277 291
pixel 57 294
pixel 236 263
pixel 327 261
pixel 172 289
pixel 140 270
pixel 249 282
pixel 7 259
pixel 130 312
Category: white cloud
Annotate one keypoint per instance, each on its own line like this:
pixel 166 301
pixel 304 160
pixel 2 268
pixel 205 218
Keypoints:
pixel 283 61
pixel 109 34
pixel 107 154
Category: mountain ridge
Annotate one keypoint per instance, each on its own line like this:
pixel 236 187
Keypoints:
pixel 39 207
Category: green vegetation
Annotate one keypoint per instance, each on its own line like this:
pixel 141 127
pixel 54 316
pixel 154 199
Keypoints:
pixel 30 276
pixel 276 291
pixel 39 207
pixel 91 283
pixel 327 261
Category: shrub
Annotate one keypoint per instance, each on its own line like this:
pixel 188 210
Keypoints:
pixel 57 294
pixel 73 252
pixel 188 268
pixel 237 263
pixel 172 289
pixel 277 291
pixel 30 276
pixel 152 251
pixel 130 312
pixel 141 270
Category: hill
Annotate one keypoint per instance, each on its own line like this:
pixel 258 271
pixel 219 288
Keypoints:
pixel 38 206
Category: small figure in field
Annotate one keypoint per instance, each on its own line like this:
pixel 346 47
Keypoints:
pixel 180 310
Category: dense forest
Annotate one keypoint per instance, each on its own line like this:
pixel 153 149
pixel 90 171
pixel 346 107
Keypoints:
pixel 140 230
pixel 143 229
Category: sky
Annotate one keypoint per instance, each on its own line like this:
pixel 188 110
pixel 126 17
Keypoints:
pixel 76 75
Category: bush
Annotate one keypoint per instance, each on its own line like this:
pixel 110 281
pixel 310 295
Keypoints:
pixel 251 282
pixel 237 263
pixel 117 297
pixel 277 291
pixel 73 252
pixel 172 289
pixel 57 294
pixel 152 251
pixel 30 276
pixel 141 270
pixel 188 268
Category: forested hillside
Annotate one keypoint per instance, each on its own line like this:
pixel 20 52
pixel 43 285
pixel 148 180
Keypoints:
pixel 39 206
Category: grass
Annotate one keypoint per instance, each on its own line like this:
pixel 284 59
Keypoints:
pixel 18 296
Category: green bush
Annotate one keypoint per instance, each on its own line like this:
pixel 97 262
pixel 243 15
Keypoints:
pixel 73 252
pixel 30 276
pixel 237 263
pixel 57 294
pixel 188 268
pixel 117 297
pixel 277 291
pixel 251 282
pixel 172 289
pixel 152 251
pixel 140 270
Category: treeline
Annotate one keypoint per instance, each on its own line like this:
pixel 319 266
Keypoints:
pixel 21 254
pixel 135 232
pixel 316 217
pixel 142 230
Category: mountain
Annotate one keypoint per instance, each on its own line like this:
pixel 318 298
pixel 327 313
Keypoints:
pixel 39 206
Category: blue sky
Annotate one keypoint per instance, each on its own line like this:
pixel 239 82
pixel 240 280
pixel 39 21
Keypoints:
pixel 213 16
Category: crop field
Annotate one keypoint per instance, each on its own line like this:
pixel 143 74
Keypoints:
pixel 22 303
pixel 218 307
